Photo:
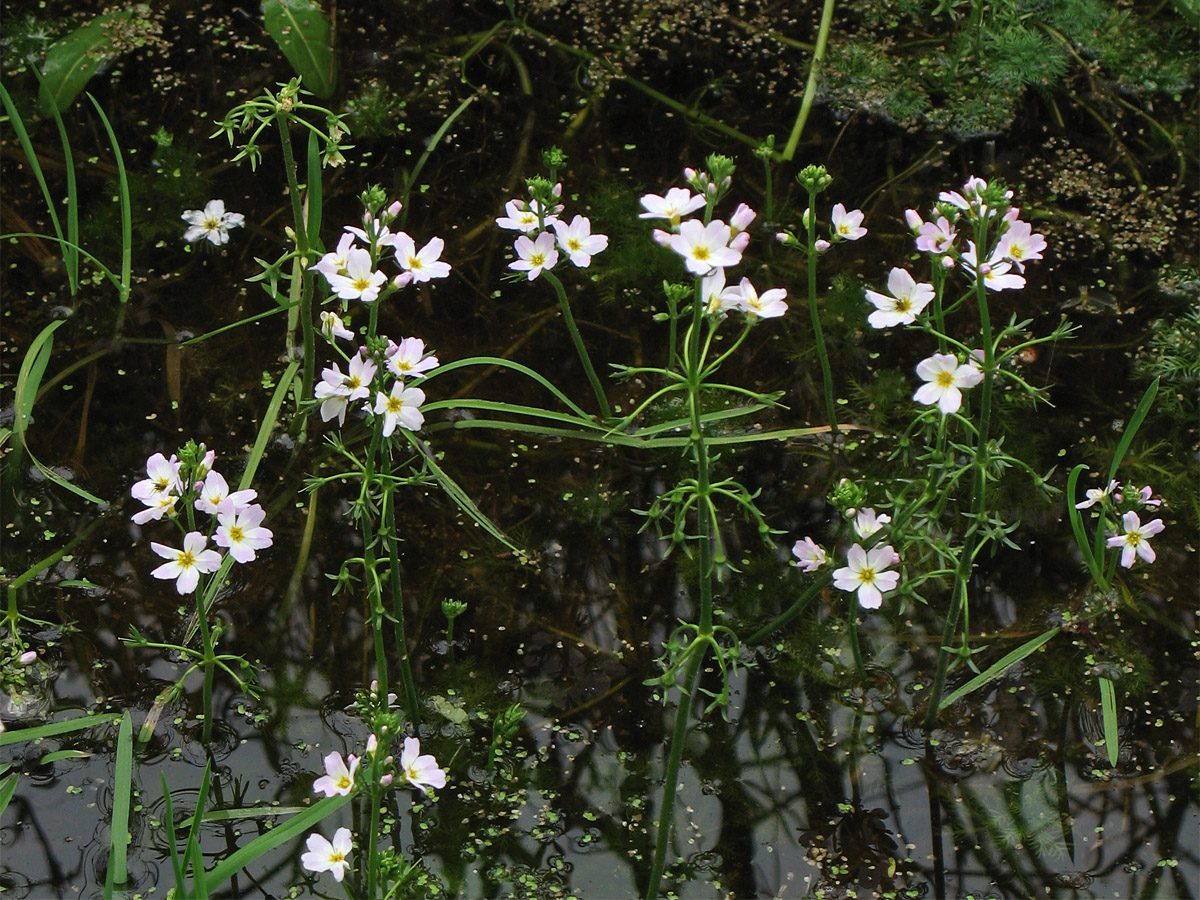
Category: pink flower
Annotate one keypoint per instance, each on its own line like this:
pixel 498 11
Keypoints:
pixel 323 856
pixel 769 306
pixel 705 247
pixel 578 242
pixel 186 565
pixel 338 777
pixel 422 772
pixel 1135 542
pixel 422 264
pixel 534 256
pixel 810 555
pixel 908 298
pixel 847 225
pixel 1019 244
pixel 865 574
pixel 240 530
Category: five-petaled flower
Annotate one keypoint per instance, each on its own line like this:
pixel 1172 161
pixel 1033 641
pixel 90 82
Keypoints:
pixel 338 777
pixel 186 565
pixel 1019 244
pixel 421 772
pixel 408 360
pixel 535 255
pixel 908 298
pixel 240 531
pixel 323 856
pixel 578 242
pixel 847 226
pixel 865 573
pixel 946 380
pixel 678 202
pixel 212 223
pixel 705 247
pixel 1135 541
pixel 809 554
pixel 769 305
pixel 337 390
pixel 422 264
pixel 401 407
pixel 361 281
pixel 867 523
pixel 1097 495
pixel 523 217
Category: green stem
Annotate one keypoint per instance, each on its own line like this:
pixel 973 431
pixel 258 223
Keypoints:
pixel 810 88
pixel 300 270
pixel 666 812
pixel 601 399
pixel 369 564
pixel 818 335
pixel 392 539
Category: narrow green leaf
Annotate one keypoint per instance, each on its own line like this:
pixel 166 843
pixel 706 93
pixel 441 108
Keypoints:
pixel 252 812
pixel 126 206
pixel 1108 707
pixel 72 60
pixel 1081 539
pixel 277 836
pixel 303 34
pixel 312 200
pixel 7 788
pixel 169 825
pixel 193 855
pixel 268 423
pixel 53 729
pixel 63 754
pixel 1131 429
pixel 998 668
pixel 119 824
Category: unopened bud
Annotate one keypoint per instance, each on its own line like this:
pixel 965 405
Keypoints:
pixel 386 780
pixel 28 658
pixel 913 218
pixel 821 245
pixel 402 280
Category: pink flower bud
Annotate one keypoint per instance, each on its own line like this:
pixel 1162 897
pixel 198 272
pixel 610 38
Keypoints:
pixel 821 245
pixel 556 192
pixel 28 658
pixel 689 174
pixel 783 237
pixel 402 280
pixel 386 780
pixel 372 744
pixel 740 241
pixel 947 262
pixel 662 238
pixel 913 218
pixel 742 217
pixel 393 210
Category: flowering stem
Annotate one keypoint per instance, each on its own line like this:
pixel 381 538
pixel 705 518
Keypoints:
pixel 392 538
pixel 369 563
pixel 605 411
pixel 301 278
pixel 827 378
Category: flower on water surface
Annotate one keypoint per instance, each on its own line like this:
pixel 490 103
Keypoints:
pixel 705 247
pixel 1136 539
pixel 408 360
pixel 768 306
pixel 946 381
pixel 867 523
pixel 847 226
pixel 240 530
pixel 810 555
pixel 423 264
pixel 678 202
pixel 212 223
pixel 534 255
pixel 361 281
pixel 186 565
pixel 578 242
pixel 865 573
pixel 421 772
pixel 338 777
pixel 908 298
pixel 402 406
pixel 323 856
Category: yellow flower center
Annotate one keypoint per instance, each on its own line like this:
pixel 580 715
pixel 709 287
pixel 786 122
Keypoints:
pixel 701 253
pixel 414 263
pixel 1133 539
pixel 161 485
pixel 336 856
pixel 945 379
pixel 574 244
pixel 236 534
pixel 538 259
pixel 902 304
pixel 343 782
pixel 866 576
pixel 212 224
pixel 394 404
pixel 186 560
pixel 362 283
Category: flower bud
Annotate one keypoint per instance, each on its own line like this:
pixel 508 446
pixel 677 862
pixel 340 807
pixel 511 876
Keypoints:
pixel 402 280
pixel 740 241
pixel 947 262
pixel 28 658
pixel 913 218
pixel 821 245
pixel 386 780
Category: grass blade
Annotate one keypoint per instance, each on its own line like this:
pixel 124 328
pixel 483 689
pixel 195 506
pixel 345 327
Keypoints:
pixel 8 787
pixel 126 207
pixel 313 194
pixel 176 863
pixel 998 668
pixel 70 251
pixel 1081 539
pixel 54 729
pixel 1108 707
pixel 1135 422
pixel 122 786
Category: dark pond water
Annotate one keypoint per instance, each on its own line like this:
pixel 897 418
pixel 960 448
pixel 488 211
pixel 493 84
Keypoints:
pixel 819 783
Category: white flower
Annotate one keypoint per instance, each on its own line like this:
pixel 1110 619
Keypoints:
pixel 215 491
pixel 1136 539
pixel 578 242
pixel 322 856
pixel 1097 495
pixel 865 574
pixel 409 359
pixel 867 523
pixel 361 281
pixel 847 225
pixel 907 300
pixel 810 554
pixel 240 530
pixel 421 772
pixel 678 203
pixel 338 390
pixel 769 306
pixel 704 247
pixel 523 217
pixel 338 777
pixel 1019 244
pixel 212 223
pixel 186 565
pixel 332 327
pixel 162 480
pixel 535 255
pixel 997 271
pixel 424 264
pixel 946 379
pixel 334 262
pixel 402 406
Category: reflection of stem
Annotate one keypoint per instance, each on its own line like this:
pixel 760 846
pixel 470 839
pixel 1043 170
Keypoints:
pixel 810 88
pixel 601 399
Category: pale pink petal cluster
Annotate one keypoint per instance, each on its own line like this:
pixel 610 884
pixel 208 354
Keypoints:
pixel 937 236
pixel 847 226
pixel 677 203
pixel 215 491
pixel 578 242
pixel 865 573
pixel 908 298
pixel 705 247
pixel 424 264
pixel 339 775
pixel 361 281
pixel 1019 244
pixel 945 381
pixel 1097 495
pixel 240 531
pixel 334 262
pixel 408 359
pixel 867 522
pixel 524 216
pixel 809 554
pixel 996 272
pixel 1135 540
pixel 534 255
pixel 422 772
pixel 332 327
pixel 323 856
pixel 769 305
pixel 337 391
pixel 186 565
pixel 159 490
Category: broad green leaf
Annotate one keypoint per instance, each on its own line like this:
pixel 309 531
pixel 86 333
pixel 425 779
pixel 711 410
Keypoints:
pixel 72 61
pixel 303 34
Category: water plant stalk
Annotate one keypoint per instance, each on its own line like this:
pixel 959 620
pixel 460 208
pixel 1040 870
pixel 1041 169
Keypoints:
pixel 580 347
pixel 810 87
pixel 815 315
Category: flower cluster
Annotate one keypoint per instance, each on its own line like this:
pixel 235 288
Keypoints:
pixel 1134 538
pixel 379 373
pixel 341 775
pixel 710 246
pixel 544 234
pixel 192 482
pixel 866 571
pixel 351 269
pixel 211 223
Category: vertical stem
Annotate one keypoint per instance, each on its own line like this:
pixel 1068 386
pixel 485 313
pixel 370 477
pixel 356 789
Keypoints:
pixel 601 399
pixel 300 271
pixel 392 538
pixel 826 377
pixel 810 87
pixel 374 597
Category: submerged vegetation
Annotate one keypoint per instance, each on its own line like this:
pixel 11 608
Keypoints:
pixel 579 492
